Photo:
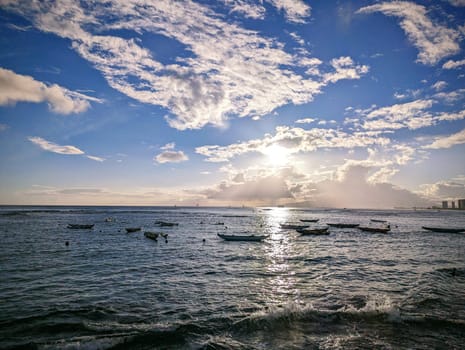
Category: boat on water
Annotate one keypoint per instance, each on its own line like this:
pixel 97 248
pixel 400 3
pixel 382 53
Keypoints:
pixel 151 235
pixel 132 229
pixel 444 229
pixel 293 226
pixel 80 226
pixel 309 220
pixel 378 220
pixel 249 238
pixel 165 223
pixel 343 225
pixel 375 229
pixel 313 231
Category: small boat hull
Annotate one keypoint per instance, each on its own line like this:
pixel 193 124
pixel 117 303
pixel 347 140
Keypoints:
pixel 313 231
pixel 293 226
pixel 375 229
pixel 342 225
pixel 166 223
pixel 151 235
pixel 248 238
pixel 132 229
pixel 444 229
pixel 80 226
pixel 309 220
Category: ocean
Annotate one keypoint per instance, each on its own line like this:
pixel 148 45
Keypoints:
pixel 108 289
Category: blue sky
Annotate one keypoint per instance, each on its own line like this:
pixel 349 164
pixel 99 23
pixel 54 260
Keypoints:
pixel 232 102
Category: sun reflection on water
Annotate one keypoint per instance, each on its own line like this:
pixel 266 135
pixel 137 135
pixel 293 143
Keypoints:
pixel 281 287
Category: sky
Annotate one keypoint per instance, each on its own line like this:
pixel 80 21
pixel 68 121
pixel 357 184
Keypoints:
pixel 356 104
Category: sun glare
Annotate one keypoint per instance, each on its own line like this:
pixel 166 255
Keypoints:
pixel 277 155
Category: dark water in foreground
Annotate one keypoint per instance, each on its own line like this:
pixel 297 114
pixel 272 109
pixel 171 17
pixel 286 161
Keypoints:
pixel 113 290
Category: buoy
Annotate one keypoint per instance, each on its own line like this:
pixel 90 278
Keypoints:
pixel 67 243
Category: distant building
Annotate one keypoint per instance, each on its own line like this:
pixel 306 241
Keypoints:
pixel 452 204
pixel 445 205
pixel 461 203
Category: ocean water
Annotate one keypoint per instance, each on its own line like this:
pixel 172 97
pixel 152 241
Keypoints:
pixel 108 289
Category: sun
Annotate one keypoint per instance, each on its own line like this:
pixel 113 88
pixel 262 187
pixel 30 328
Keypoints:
pixel 277 155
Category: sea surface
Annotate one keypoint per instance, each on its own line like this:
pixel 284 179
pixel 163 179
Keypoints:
pixel 108 289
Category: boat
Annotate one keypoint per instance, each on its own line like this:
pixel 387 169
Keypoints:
pixel 293 226
pixel 164 235
pixel 444 229
pixel 151 235
pixel 375 229
pixel 132 229
pixel 166 223
pixel 343 225
pixel 378 220
pixel 80 226
pixel 309 220
pixel 313 231
pixel 249 238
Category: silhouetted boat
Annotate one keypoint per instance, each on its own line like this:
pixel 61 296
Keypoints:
pixel 293 226
pixel 444 229
pixel 166 223
pixel 80 226
pixel 375 229
pixel 151 235
pixel 378 220
pixel 132 229
pixel 343 225
pixel 250 238
pixel 313 231
pixel 309 220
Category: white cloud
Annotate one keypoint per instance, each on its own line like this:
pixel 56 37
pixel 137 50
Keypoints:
pixel 439 85
pixel 225 70
pixel 248 8
pixel 97 159
pixel 345 68
pixel 453 64
pixel 3 127
pixel 53 147
pixel 294 10
pixel 168 146
pixel 59 149
pixel 448 141
pixel 171 157
pixel 293 140
pixel 434 41
pixel 22 88
pixel 305 121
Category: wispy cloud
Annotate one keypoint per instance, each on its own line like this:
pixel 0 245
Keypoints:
pixel 59 149
pixel 22 88
pixel 225 70
pixel 3 127
pixel 248 8
pixel 434 41
pixel 412 115
pixel 448 141
pixel 53 147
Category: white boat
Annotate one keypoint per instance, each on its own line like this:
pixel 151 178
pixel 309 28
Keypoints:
pixel 250 238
